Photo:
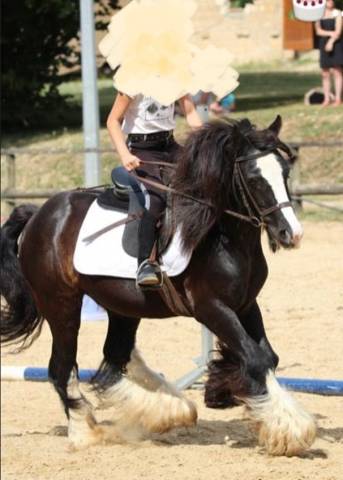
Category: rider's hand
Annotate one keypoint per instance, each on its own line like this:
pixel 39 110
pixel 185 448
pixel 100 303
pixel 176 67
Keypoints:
pixel 130 162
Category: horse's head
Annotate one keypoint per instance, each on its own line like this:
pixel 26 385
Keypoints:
pixel 230 165
pixel 261 174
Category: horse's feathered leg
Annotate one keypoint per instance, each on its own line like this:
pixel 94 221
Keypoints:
pixel 244 369
pixel 142 400
pixel 63 373
pixel 283 426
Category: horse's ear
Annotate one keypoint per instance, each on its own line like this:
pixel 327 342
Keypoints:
pixel 276 125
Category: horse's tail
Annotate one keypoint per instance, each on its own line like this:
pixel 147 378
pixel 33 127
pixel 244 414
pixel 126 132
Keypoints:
pixel 20 321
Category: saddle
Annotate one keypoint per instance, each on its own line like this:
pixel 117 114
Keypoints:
pixel 129 196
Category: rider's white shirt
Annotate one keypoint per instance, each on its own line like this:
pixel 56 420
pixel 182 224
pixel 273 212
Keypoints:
pixel 146 115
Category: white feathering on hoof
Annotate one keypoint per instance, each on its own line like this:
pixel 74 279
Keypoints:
pixel 283 426
pixel 83 429
pixel 144 402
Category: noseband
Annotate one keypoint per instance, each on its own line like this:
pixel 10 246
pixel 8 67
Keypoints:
pixel 248 198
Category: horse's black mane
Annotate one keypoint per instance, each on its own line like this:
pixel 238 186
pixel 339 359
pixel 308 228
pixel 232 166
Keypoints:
pixel 205 170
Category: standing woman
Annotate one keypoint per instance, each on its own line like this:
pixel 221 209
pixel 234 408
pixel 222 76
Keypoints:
pixel 149 128
pixel 329 29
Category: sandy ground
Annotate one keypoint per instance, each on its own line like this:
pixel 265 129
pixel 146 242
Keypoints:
pixel 303 310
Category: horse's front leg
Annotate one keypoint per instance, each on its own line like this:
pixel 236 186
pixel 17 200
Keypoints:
pixel 252 321
pixel 246 370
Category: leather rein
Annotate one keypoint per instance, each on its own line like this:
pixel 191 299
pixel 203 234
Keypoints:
pixel 250 203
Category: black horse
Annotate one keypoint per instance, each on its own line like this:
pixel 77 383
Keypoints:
pixel 238 174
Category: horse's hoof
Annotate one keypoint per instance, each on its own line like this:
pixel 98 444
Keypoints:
pixel 83 432
pixel 282 425
pixel 170 412
pixel 86 439
pixel 290 442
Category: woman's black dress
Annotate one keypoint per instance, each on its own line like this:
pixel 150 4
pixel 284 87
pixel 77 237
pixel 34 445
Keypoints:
pixel 335 57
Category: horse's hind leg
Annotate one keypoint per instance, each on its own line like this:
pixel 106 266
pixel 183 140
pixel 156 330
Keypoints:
pixel 143 401
pixel 63 373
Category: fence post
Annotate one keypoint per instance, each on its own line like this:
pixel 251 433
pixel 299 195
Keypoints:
pixel 10 177
pixel 90 101
pixel 294 178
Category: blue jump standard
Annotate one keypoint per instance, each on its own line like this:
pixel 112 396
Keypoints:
pixel 306 385
pixel 312 385
pixel 41 374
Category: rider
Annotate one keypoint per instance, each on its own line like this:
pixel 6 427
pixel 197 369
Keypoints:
pixel 149 128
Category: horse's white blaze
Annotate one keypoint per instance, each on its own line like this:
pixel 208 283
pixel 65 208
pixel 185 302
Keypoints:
pixel 271 170
pixel 284 427
pixel 144 402
pixel 82 428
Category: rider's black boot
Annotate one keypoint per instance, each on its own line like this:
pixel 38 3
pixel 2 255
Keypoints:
pixel 149 272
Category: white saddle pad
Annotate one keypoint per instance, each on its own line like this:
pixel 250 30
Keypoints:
pixel 106 256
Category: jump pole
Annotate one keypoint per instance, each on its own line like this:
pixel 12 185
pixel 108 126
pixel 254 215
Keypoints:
pixel 305 385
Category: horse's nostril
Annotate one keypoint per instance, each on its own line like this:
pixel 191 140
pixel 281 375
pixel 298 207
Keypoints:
pixel 284 236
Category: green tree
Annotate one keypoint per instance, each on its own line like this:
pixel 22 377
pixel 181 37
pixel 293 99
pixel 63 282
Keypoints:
pixel 36 43
pixel 240 3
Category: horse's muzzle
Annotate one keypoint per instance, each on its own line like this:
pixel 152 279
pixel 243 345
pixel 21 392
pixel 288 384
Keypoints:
pixel 290 239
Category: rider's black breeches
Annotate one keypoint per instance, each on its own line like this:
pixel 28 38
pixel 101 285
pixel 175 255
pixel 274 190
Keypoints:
pixel 156 200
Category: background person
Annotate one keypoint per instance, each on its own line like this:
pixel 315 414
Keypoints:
pixel 329 31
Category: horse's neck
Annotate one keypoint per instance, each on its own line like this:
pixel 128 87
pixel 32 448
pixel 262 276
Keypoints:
pixel 244 236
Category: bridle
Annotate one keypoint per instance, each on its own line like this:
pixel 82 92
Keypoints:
pixel 257 218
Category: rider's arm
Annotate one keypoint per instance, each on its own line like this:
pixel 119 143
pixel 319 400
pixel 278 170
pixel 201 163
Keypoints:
pixel 321 32
pixel 114 121
pixel 190 112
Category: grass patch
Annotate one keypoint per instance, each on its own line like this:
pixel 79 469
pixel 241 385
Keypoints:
pixel 320 215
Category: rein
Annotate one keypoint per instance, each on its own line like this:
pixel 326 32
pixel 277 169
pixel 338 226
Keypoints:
pixel 167 189
pixel 256 221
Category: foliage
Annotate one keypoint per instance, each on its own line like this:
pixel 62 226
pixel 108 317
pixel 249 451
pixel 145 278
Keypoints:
pixel 240 3
pixel 36 42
